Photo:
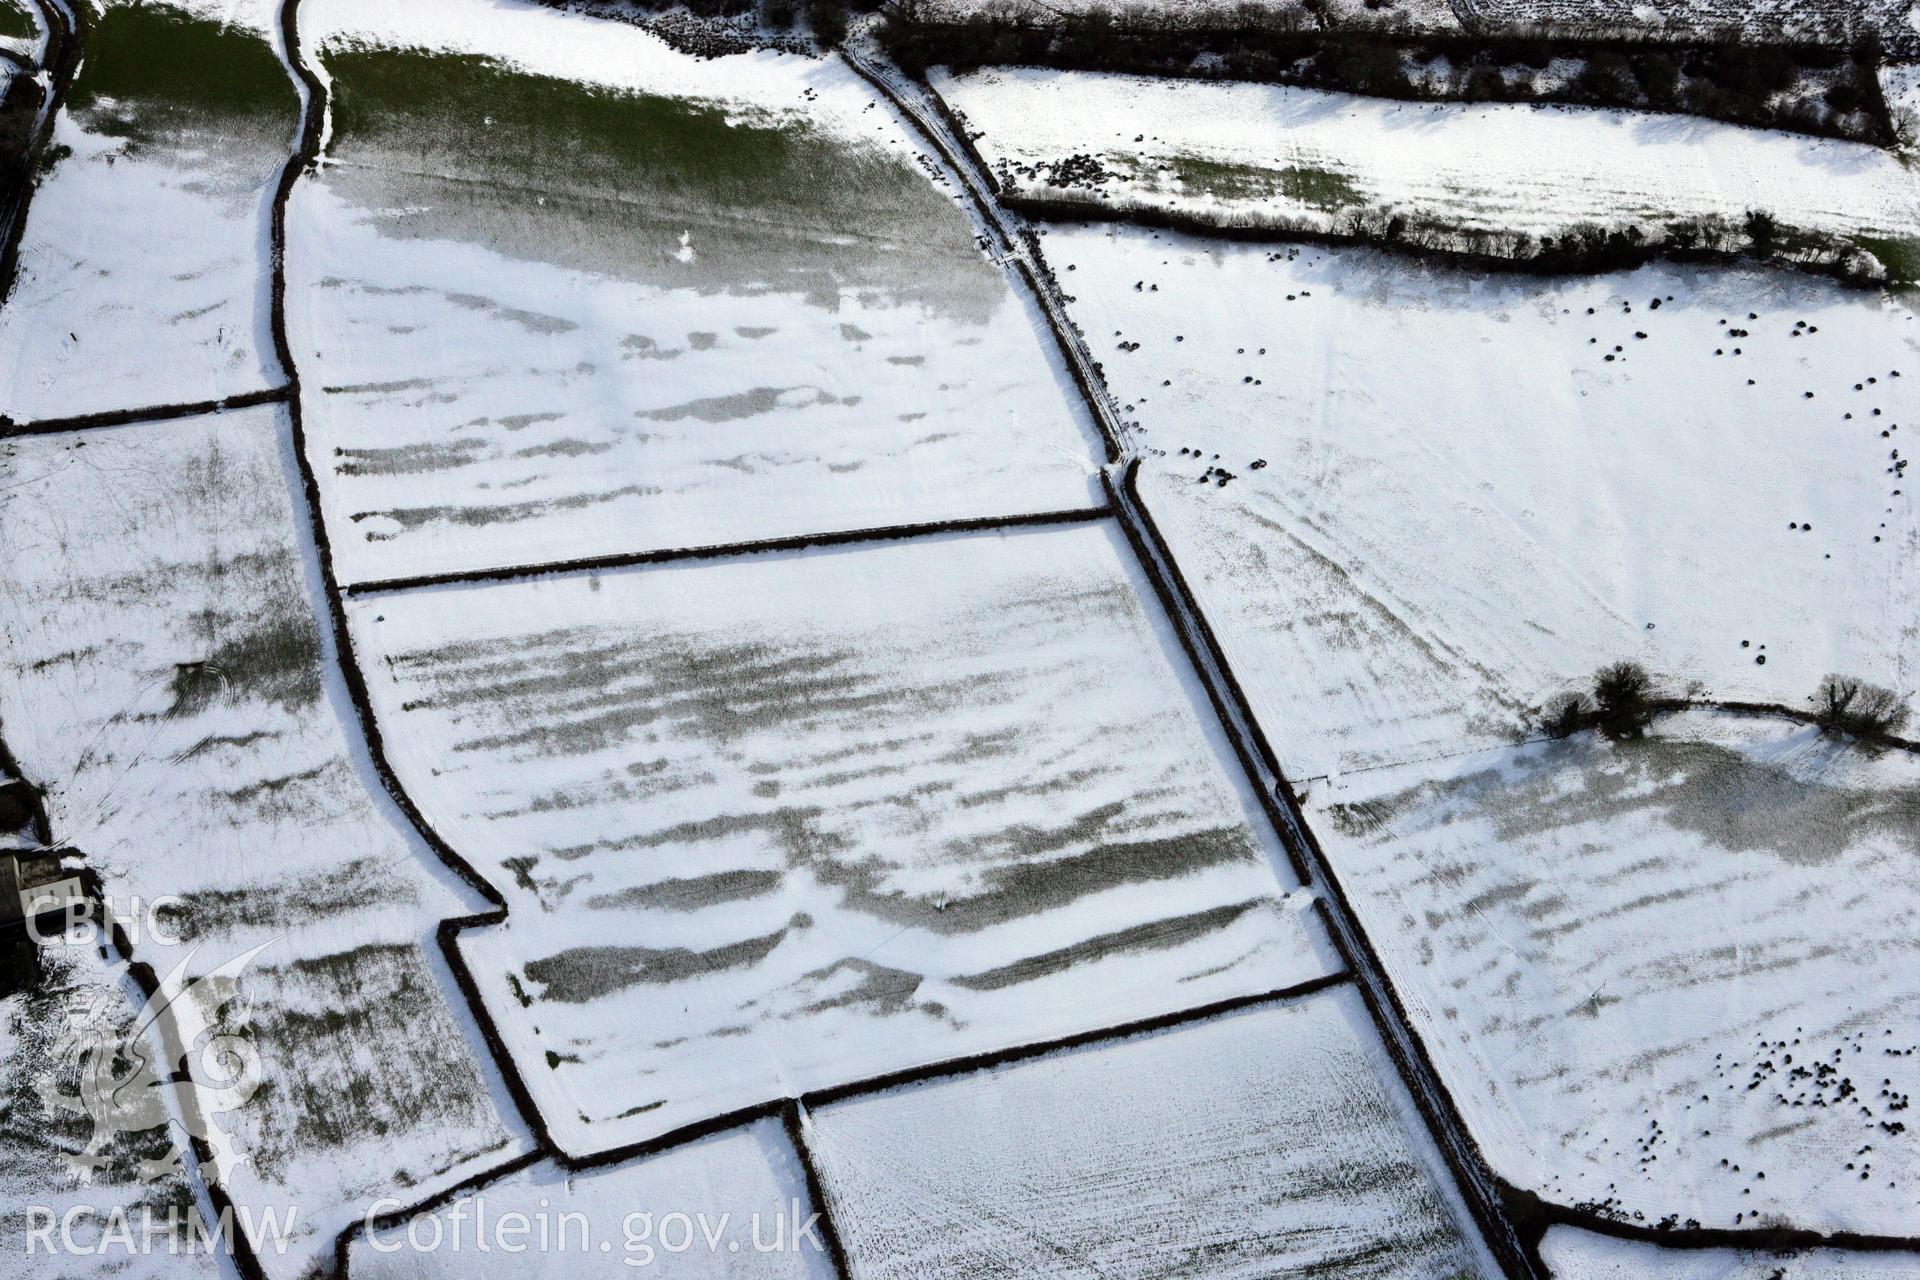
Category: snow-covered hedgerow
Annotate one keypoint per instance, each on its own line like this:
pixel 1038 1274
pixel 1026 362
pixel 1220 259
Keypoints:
pixel 1574 1254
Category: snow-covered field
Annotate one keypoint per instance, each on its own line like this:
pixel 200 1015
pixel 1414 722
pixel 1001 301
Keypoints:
pixel 1415 504
pixel 1573 1254
pixel 1677 978
pixel 1272 1142
pixel 143 265
pixel 168 685
pixel 732 1207
pixel 1244 154
pixel 779 822
pixel 789 821
pixel 561 291
pixel 1453 496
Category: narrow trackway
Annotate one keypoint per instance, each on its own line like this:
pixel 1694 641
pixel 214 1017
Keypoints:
pixel 1477 1182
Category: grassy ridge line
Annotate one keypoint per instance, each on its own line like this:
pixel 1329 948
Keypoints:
pixel 1581 248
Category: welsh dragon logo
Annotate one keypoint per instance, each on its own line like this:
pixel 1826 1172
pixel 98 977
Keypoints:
pixel 122 1086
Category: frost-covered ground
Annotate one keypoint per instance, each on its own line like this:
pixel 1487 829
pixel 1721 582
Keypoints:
pixel 1250 155
pixel 51 999
pixel 1417 503
pixel 143 265
pixel 789 821
pixel 169 687
pixel 774 823
pixel 732 1207
pixel 560 291
pixel 1573 1254
pixel 1676 978
pixel 1272 1142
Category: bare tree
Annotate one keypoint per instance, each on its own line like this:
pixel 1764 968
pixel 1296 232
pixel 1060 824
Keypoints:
pixel 1848 704
pixel 1624 693
pixel 1567 715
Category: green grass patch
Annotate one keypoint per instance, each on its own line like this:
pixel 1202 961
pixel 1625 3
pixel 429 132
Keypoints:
pixel 1320 188
pixel 1900 256
pixel 1317 188
pixel 474 116
pixel 151 69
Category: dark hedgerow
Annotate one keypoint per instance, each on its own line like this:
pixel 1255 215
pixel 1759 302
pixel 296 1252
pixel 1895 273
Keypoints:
pixel 1779 86
pixel 19 108
pixel 1848 704
pixel 1623 694
pixel 828 19
pixel 1567 715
